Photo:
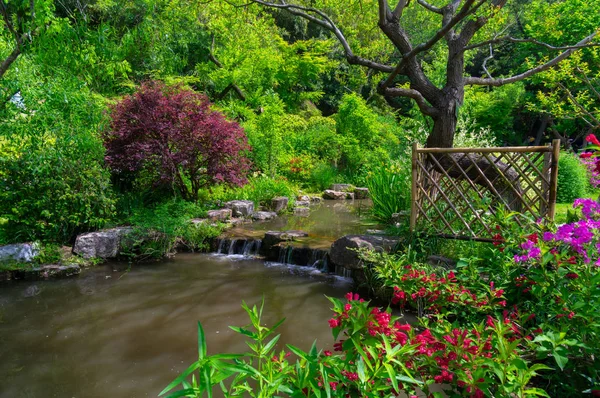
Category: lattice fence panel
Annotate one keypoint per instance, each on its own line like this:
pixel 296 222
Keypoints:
pixel 456 192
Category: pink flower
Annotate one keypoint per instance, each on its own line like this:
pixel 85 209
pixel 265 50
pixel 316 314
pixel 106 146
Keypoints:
pixel 327 353
pixel 334 323
pixel 592 138
pixel 585 155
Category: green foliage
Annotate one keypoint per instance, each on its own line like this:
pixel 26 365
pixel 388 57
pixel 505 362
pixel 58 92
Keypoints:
pixel 573 179
pixel 390 189
pixel 161 229
pixel 260 189
pixel 53 183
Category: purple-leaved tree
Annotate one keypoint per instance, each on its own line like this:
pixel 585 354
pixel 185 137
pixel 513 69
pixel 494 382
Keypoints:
pixel 171 133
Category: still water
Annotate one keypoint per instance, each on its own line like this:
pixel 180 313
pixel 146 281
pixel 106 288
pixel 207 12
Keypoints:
pixel 118 332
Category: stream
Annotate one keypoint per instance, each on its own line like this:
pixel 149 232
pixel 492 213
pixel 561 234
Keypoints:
pixel 127 331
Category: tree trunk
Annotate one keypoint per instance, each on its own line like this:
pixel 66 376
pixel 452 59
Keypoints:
pixel 444 126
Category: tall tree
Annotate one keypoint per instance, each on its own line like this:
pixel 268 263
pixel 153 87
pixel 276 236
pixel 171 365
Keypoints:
pixel 465 26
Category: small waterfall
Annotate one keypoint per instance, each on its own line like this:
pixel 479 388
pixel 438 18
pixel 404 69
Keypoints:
pixel 239 246
pixel 343 271
pixel 257 246
pixel 232 247
pixel 221 245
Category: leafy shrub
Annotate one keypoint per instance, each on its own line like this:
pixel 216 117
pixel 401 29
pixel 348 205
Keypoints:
pixel 159 230
pixel 172 135
pixel 572 178
pixel 260 189
pixel 389 188
pixel 53 183
pixel 323 175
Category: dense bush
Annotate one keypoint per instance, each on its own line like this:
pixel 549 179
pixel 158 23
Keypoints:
pixel 171 135
pixel 573 178
pixel 52 178
pixel 159 230
pixel 260 189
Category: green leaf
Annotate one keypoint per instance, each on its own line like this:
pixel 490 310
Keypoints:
pixel 181 377
pixel 536 391
pixel 297 351
pixel 360 368
pixel 206 380
pixel 269 346
pixel 561 361
pixel 182 393
pixel 201 343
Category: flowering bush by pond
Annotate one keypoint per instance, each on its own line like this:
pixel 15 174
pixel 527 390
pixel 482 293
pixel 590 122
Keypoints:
pixel 523 321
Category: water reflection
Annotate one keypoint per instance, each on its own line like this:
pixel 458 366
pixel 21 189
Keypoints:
pixel 120 332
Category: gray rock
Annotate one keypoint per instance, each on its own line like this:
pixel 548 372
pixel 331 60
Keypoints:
pixel 301 211
pixel 273 238
pixel 264 215
pixel 241 208
pixel 197 221
pixel 334 195
pixel 219 215
pixel 302 198
pixel 339 187
pixel 22 252
pixel 279 204
pixel 350 195
pixel 103 244
pixel 302 203
pixel 361 193
pixel 47 272
pixel 343 250
pixel 316 199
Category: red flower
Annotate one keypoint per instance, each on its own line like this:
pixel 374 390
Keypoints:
pixel 334 323
pixel 592 138
pixel 571 275
pixel 586 155
pixel 327 353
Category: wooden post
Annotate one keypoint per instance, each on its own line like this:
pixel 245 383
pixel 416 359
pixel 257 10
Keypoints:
pixel 553 179
pixel 413 193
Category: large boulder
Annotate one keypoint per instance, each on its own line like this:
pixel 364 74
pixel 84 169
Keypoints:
pixel 340 187
pixel 343 251
pixel 273 238
pixel 264 215
pixel 302 211
pixel 302 203
pixel 279 204
pixel 21 252
pixel 102 244
pixel 334 195
pixel 361 193
pixel 241 208
pixel 219 215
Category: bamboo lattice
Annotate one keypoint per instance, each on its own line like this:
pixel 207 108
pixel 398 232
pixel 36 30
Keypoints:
pixel 456 192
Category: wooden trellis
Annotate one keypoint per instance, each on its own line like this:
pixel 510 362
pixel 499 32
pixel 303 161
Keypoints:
pixel 457 191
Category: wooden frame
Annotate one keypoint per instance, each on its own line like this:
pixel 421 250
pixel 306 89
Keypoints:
pixel 457 191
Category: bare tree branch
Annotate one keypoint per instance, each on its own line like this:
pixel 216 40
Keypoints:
pixel 488 58
pixel 554 61
pixel 328 24
pixel 534 41
pixel 397 13
pixel 415 95
pixel 430 7
pixel 465 11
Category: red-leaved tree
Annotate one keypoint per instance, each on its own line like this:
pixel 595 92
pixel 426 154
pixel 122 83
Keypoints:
pixel 172 134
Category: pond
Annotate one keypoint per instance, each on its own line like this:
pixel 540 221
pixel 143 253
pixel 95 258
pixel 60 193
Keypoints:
pixel 120 331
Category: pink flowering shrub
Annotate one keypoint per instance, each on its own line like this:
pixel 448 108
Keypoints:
pixel 591 160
